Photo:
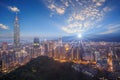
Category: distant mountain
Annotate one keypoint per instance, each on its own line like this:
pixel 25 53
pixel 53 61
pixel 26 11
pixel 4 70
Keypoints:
pixel 109 38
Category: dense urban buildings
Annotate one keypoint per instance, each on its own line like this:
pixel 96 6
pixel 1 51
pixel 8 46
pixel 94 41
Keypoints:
pixel 98 55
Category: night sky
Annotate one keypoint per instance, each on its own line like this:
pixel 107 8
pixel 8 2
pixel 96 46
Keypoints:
pixel 54 18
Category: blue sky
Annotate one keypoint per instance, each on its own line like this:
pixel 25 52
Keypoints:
pixel 52 18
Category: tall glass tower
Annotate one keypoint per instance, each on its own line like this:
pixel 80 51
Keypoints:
pixel 36 43
pixel 16 33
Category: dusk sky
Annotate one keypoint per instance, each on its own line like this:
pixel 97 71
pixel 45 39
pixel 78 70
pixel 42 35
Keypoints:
pixel 52 18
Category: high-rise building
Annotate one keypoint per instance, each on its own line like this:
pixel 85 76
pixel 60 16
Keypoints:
pixel 16 34
pixel 110 62
pixel 51 46
pixel 81 49
pixel 78 53
pixel 72 53
pixel 0 60
pixel 36 43
pixel 4 46
pixel 97 55
pixel 46 49
pixel 60 42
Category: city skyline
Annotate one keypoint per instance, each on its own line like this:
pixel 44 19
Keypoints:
pixel 54 18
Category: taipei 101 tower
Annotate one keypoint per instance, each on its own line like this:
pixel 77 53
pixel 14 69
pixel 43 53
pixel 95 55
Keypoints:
pixel 16 34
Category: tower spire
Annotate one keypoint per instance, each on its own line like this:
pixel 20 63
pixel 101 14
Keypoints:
pixel 16 18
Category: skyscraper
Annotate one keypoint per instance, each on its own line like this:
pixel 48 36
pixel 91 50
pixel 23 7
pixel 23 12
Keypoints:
pixel 16 34
pixel 60 41
pixel 78 53
pixel 4 46
pixel 46 49
pixel 36 46
pixel 72 53
pixel 36 43
pixel 81 50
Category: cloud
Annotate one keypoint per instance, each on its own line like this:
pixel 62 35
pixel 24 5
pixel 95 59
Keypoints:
pixel 59 10
pixel 99 2
pixel 109 31
pixel 81 15
pixel 66 4
pixel 112 28
pixel 88 13
pixel 2 26
pixel 73 28
pixel 106 9
pixel 13 9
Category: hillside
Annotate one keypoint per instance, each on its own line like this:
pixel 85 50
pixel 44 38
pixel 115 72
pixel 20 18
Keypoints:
pixel 45 68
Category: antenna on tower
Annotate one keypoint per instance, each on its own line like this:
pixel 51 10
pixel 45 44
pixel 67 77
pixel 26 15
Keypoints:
pixel 16 18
